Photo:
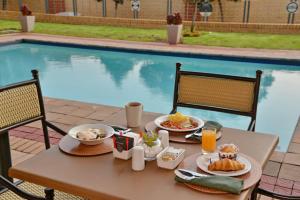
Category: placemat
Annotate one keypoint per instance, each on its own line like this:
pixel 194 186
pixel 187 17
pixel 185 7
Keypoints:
pixel 176 136
pixel 250 179
pixel 72 146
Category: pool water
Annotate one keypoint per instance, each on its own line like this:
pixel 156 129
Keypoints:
pixel 115 78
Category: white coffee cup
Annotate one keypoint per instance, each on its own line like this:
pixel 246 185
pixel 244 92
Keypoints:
pixel 134 111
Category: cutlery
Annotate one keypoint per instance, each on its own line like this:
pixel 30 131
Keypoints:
pixel 196 133
pixel 188 174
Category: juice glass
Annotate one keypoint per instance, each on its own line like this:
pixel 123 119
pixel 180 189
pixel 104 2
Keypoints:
pixel 208 140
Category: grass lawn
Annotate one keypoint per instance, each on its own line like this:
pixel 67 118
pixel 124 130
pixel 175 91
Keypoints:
pixel 244 40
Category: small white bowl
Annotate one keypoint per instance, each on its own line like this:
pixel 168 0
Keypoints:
pixel 170 164
pixel 229 155
pixel 109 131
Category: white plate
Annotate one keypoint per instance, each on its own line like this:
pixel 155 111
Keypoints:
pixel 109 131
pixel 164 118
pixel 203 162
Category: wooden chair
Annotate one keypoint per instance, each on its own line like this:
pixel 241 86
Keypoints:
pixel 216 92
pixel 20 104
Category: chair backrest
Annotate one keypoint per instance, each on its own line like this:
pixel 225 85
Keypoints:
pixel 230 94
pixel 21 103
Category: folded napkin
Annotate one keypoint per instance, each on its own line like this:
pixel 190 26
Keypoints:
pixel 210 124
pixel 222 183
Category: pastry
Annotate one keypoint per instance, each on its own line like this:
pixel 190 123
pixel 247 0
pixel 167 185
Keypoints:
pixel 226 165
pixel 228 151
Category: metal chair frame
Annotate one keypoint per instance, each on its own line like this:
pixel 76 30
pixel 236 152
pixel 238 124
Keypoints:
pixel 251 114
pixel 5 180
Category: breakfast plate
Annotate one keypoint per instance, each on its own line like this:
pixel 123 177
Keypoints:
pixel 107 132
pixel 203 162
pixel 195 124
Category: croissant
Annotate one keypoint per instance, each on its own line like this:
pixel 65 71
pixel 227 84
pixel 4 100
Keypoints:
pixel 226 165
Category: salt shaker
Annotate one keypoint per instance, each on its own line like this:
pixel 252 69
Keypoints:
pixel 138 161
pixel 164 137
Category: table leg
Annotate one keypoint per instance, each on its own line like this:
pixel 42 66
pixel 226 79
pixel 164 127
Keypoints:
pixel 5 156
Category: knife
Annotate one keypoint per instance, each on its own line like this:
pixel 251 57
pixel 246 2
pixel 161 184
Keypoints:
pixel 188 174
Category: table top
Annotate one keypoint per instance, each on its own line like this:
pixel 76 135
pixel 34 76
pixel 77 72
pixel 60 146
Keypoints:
pixel 103 177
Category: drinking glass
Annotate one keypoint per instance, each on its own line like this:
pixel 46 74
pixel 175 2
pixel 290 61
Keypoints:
pixel 208 140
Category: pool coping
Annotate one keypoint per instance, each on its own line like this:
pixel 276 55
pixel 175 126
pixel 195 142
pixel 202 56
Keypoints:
pixel 284 57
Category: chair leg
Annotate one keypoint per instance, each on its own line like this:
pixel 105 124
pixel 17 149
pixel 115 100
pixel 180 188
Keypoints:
pixel 49 194
pixel 5 156
pixel 254 192
pixel 46 135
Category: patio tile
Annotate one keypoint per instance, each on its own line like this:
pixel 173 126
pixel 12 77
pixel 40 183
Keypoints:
pixel 17 133
pixel 262 197
pixel 277 156
pixel 33 147
pixel 88 121
pixel 64 127
pixel 13 140
pixel 292 158
pixel 266 186
pixel 296 193
pixel 296 185
pixel 285 183
pixel 31 136
pixel 50 116
pixel 82 112
pixel 272 168
pixel 294 148
pixel 25 129
pixel 54 102
pixel 99 115
pixel 38 150
pixel 36 124
pixel 296 138
pixel 18 144
pixel 68 120
pixel 268 179
pixel 25 146
pixel 283 190
pixel 64 109
pixel 290 172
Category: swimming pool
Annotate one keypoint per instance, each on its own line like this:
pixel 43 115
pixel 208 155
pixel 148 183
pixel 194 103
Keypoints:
pixel 113 77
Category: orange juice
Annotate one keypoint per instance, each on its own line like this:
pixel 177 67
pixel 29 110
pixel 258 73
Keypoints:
pixel 208 140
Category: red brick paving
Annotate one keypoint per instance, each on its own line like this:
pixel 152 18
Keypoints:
pixel 283 190
pixel 266 186
pixel 268 179
pixel 296 193
pixel 34 134
pixel 296 185
pixel 285 183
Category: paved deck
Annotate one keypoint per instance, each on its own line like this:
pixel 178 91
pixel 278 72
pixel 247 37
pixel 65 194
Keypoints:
pixel 156 46
pixel 26 141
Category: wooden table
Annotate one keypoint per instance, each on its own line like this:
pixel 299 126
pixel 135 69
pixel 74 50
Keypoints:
pixel 103 177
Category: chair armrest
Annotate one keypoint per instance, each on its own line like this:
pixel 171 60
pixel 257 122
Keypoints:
pixel 17 191
pixel 52 126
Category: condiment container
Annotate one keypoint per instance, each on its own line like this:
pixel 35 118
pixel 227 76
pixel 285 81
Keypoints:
pixel 170 163
pixel 126 154
pixel 138 160
pixel 164 137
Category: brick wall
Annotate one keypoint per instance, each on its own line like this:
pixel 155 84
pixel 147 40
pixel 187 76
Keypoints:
pixel 146 23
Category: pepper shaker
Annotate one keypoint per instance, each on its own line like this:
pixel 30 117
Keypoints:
pixel 138 160
pixel 164 137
